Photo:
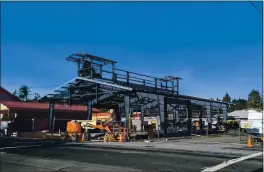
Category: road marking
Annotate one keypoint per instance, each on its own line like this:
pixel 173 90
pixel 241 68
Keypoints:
pixel 230 162
pixel 16 147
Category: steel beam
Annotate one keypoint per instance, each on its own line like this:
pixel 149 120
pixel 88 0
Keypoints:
pixel 105 83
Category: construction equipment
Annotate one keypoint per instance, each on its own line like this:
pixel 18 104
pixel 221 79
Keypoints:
pixel 111 131
pixel 73 130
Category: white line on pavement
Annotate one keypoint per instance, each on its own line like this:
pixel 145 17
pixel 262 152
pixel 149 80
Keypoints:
pixel 230 162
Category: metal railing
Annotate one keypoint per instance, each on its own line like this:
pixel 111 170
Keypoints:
pixel 168 85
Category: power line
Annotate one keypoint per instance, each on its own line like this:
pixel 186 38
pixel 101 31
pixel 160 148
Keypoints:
pixel 252 3
pixel 172 70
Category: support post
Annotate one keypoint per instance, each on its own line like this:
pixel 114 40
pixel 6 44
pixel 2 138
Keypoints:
pixel 89 110
pixel 101 71
pixel 225 118
pixel 165 123
pixel 127 77
pixel 156 83
pixel 201 119
pixel 142 117
pixel 177 116
pixel 224 115
pixel 113 72
pixel 178 86
pixel 189 109
pixel 117 113
pixel 173 85
pixel 70 96
pixel 51 109
pixel 208 116
pixel 78 68
pixel 161 105
pixel 127 108
pixel 96 93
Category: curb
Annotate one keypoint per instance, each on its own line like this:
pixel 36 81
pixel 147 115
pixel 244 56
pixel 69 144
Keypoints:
pixel 153 149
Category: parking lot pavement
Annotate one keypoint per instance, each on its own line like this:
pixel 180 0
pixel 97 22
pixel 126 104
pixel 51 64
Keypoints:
pixel 77 158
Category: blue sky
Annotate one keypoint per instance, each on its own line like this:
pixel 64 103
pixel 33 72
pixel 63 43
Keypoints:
pixel 150 37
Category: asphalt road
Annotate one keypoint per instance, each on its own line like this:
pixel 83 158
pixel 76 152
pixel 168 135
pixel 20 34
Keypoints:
pixel 76 158
pixel 14 142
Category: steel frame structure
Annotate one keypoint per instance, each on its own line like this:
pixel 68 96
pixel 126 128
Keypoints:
pixel 126 91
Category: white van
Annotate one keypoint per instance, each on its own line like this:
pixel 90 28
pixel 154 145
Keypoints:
pixel 257 122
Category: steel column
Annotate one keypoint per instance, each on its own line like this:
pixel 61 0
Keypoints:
pixel 189 109
pixel 51 109
pixel 127 108
pixel 89 110
pixel 225 114
pixel 96 93
pixel 117 113
pixel 208 116
pixel 70 95
pixel 165 115
pixel 142 117
pixel 78 68
pixel 201 119
pixel 113 73
pixel 177 115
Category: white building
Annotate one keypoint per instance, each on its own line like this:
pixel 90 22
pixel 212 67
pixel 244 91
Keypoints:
pixel 245 114
pixel 253 118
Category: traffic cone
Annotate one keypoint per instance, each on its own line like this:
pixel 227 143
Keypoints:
pixel 249 144
pixel 120 138
pixel 82 140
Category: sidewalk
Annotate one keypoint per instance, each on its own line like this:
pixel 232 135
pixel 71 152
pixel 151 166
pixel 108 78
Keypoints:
pixel 232 151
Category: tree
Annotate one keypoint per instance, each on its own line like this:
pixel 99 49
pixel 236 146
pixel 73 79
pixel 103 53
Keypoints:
pixel 226 98
pixel 36 96
pixel 15 93
pixel 239 104
pixel 24 92
pixel 254 100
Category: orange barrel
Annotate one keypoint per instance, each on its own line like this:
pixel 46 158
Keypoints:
pixel 73 127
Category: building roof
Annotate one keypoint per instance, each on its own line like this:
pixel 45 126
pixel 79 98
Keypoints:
pixel 239 114
pixel 43 106
pixel 12 96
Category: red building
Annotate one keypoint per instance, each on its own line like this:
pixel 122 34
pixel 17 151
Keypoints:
pixel 23 113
